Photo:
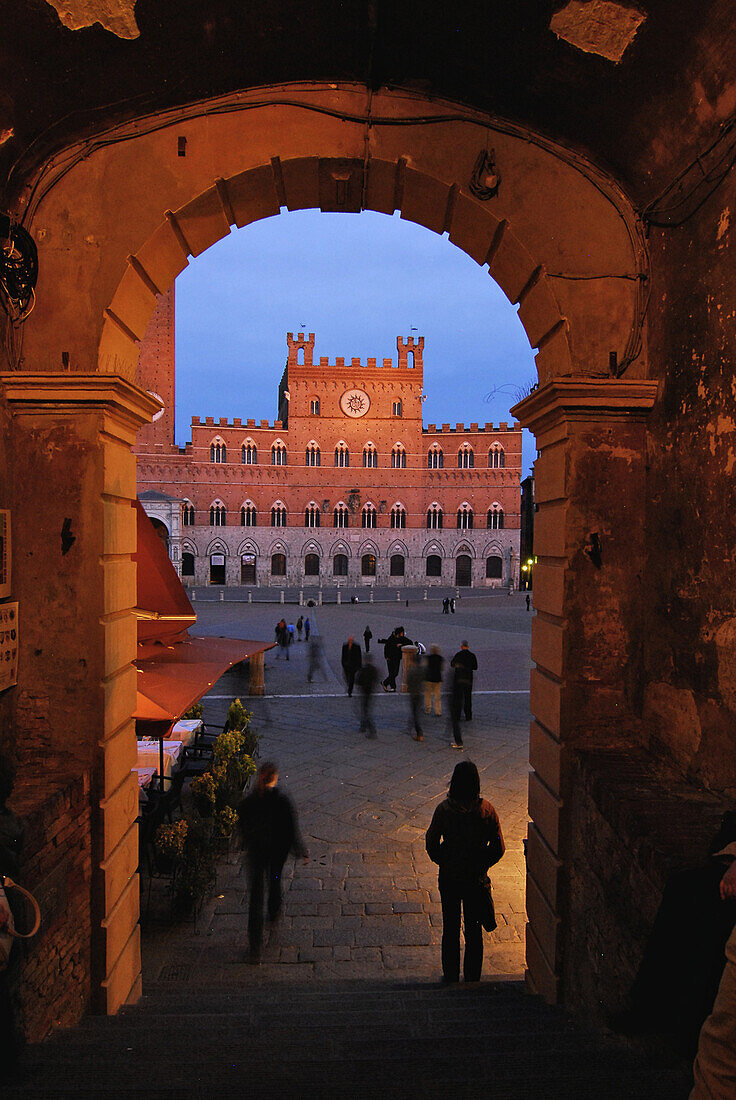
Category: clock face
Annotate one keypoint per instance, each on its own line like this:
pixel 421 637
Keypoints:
pixel 355 403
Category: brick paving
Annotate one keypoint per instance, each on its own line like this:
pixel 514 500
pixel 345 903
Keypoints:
pixel 367 905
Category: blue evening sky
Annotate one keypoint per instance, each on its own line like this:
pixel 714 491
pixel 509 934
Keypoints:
pixel 357 281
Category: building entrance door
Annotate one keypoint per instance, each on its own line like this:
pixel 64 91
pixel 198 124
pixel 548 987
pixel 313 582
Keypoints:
pixel 217 568
pixel 463 571
pixel 247 569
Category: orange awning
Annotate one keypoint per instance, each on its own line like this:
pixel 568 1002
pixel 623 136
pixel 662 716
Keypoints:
pixel 176 676
pixel 163 607
pixel 146 710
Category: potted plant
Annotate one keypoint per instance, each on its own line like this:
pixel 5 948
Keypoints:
pixel 169 845
pixel 195 872
pixel 205 791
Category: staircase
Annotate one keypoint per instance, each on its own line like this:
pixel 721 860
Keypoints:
pixel 359 1039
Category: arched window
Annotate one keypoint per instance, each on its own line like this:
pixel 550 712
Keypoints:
pixel 465 518
pixel 340 565
pixel 311 565
pixel 187 564
pixel 248 515
pixel 398 517
pixel 249 454
pixel 396 408
pixel 313 456
pixel 188 514
pixel 434 565
pixel 342 454
pixel 368 565
pixel 434 518
pixel 278 455
pixel 278 565
pixel 435 458
pixel 278 515
pixel 370 456
pixel 341 515
pixel 369 516
pixel 396 568
pixel 311 515
pixel 218 451
pixel 398 457
pixel 496 457
pixel 495 518
pixel 466 457
pixel 494 568
pixel 314 406
pixel 218 515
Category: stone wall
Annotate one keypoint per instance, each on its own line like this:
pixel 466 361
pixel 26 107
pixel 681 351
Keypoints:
pixel 632 823
pixel 53 984
pixel 687 677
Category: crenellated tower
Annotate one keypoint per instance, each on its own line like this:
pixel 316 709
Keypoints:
pixel 298 345
pixel 410 351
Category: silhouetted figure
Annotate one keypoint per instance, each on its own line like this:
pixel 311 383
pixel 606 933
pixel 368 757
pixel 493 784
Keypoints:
pixel 351 660
pixel 307 628
pixel 465 664
pixel 465 839
pixel 299 627
pixel 366 679
pixel 528 601
pixel 268 826
pixel 367 635
pixel 392 647
pixel 715 1065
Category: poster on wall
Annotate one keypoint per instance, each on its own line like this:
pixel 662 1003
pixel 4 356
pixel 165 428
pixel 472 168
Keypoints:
pixel 8 645
pixel 4 553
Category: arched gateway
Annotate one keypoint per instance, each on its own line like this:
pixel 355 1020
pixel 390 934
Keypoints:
pixel 559 238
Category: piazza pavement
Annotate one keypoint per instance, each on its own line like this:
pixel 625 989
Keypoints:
pixel 366 905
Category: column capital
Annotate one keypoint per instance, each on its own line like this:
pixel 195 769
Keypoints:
pixel 585 398
pixel 59 393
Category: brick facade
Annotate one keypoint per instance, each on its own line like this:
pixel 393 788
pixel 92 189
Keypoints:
pixel 349 451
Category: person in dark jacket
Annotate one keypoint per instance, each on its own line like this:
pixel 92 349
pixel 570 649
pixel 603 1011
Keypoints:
pixel 351 661
pixel 268 826
pixel 367 635
pixel 392 647
pixel 465 664
pixel 465 839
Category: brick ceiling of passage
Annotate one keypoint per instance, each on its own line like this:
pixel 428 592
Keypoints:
pixel 640 117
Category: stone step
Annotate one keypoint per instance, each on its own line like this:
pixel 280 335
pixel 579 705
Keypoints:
pixel 494 1041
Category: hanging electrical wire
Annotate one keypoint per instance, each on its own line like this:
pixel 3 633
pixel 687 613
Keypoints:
pixel 18 270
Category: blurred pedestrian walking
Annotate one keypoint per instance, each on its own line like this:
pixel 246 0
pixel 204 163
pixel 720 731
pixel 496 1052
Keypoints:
pixel 367 635
pixel 433 681
pixel 268 826
pixel 366 679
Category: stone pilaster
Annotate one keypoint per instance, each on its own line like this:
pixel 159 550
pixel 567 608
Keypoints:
pixel 588 591
pixel 72 438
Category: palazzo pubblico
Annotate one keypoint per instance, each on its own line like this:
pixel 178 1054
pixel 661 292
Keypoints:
pixel 347 487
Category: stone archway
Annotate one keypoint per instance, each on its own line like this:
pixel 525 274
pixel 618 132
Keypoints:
pixel 140 213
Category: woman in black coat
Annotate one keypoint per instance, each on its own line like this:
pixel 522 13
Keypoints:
pixel 465 839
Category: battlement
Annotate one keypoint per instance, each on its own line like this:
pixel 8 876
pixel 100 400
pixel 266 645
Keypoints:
pixel 223 422
pixel 471 428
pixel 410 352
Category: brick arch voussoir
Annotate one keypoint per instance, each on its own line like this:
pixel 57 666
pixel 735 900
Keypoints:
pixel 315 183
